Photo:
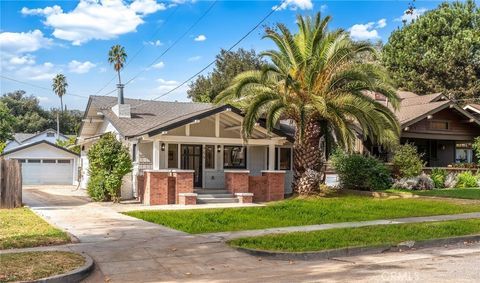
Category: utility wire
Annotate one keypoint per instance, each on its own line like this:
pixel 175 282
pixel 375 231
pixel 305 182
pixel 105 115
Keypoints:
pixel 37 86
pixel 139 50
pixel 213 62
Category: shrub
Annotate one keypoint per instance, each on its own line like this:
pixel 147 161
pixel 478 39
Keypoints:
pixel 360 172
pixel 407 162
pixel 421 182
pixel 466 180
pixel 476 148
pixel 109 162
pixel 451 180
pixel 438 176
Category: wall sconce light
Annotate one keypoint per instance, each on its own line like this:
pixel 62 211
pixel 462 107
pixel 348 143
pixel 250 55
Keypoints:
pixel 162 147
pixel 443 147
pixel 219 148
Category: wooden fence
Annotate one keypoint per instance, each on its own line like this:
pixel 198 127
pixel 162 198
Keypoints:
pixel 10 184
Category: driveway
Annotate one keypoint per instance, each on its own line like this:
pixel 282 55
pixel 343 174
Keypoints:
pixel 127 249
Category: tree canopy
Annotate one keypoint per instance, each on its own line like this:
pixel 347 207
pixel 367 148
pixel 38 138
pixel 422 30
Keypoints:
pixel 228 64
pixel 438 52
pixel 6 124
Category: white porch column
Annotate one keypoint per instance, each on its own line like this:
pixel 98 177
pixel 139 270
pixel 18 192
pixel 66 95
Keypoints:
pixel 217 125
pixel 156 155
pixel 271 157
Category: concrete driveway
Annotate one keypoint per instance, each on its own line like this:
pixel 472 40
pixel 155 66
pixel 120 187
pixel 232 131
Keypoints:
pixel 127 249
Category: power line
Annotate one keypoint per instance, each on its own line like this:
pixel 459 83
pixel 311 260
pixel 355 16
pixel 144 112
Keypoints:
pixel 37 86
pixel 139 50
pixel 213 62
pixel 175 42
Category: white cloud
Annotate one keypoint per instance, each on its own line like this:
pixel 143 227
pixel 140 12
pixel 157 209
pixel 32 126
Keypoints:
pixel 411 16
pixel 294 5
pixel 159 65
pixel 80 67
pixel 96 19
pixel 364 31
pixel 40 72
pixel 22 60
pixel 166 85
pixel 153 43
pixel 381 23
pixel 194 58
pixel 201 37
pixel 102 70
pixel 21 42
pixel 43 98
pixel 323 8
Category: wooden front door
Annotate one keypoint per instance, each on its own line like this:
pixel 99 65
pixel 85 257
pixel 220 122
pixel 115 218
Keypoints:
pixel 192 160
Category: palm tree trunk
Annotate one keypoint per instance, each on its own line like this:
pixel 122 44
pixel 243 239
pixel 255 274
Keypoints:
pixel 61 104
pixel 307 159
pixel 119 80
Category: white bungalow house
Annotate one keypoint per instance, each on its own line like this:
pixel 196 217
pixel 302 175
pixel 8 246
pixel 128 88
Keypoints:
pixel 175 137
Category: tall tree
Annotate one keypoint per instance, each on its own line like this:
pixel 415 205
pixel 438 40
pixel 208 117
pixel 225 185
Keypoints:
pixel 316 80
pixel 228 64
pixel 438 52
pixel 59 86
pixel 117 57
pixel 7 120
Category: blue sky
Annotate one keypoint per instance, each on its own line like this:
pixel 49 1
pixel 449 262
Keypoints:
pixel 41 38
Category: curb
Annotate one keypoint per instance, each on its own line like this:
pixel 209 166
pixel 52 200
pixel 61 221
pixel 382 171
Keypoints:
pixel 73 276
pixel 354 251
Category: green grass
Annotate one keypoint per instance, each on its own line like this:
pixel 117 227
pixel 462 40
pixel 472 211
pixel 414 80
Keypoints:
pixel 21 228
pixel 467 193
pixel 359 237
pixel 28 266
pixel 297 212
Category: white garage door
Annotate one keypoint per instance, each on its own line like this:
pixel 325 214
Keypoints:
pixel 47 172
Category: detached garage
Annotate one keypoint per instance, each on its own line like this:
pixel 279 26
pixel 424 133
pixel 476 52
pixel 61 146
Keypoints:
pixel 44 163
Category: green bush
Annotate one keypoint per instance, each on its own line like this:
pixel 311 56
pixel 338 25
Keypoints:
pixel 109 161
pixel 438 176
pixel 466 180
pixel 360 172
pixel 476 148
pixel 407 162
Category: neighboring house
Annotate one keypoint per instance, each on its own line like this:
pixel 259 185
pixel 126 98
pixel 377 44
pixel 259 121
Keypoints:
pixel 437 126
pixel 201 137
pixel 473 109
pixel 43 162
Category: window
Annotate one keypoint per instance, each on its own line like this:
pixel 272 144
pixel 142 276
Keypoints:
pixel 209 157
pixel 173 155
pixel 439 125
pixel 22 160
pixel 234 157
pixel 463 153
pixel 64 161
pixel 285 158
pixel 34 161
pixel 48 161
pixel 134 152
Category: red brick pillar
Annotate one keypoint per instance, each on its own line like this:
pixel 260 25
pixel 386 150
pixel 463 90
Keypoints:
pixel 156 187
pixel 183 182
pixel 187 198
pixel 275 184
pixel 236 181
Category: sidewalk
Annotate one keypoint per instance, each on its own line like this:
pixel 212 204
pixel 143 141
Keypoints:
pixel 225 236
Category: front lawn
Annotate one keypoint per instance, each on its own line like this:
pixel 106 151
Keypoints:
pixel 30 266
pixel 467 193
pixel 298 212
pixel 359 237
pixel 21 228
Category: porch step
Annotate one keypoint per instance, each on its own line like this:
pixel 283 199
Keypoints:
pixel 211 191
pixel 204 195
pixel 216 200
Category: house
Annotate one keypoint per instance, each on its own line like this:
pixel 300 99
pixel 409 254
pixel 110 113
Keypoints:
pixel 473 109
pixel 170 141
pixel 43 162
pixel 437 126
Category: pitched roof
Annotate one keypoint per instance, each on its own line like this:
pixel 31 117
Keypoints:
pixel 36 143
pixel 23 137
pixel 421 99
pixel 412 112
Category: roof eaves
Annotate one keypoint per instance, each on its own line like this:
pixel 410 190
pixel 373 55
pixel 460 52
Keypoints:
pixel 22 147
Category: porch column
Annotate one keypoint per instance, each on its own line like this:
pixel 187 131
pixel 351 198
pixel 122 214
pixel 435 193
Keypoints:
pixel 271 157
pixel 156 155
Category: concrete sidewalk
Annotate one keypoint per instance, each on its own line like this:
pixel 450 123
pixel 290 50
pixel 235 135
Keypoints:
pixel 127 249
pixel 225 236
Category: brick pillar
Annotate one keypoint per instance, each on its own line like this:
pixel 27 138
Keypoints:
pixel 140 187
pixel 275 184
pixel 236 181
pixel 183 182
pixel 187 198
pixel 244 197
pixel 156 187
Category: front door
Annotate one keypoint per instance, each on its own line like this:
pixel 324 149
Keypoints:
pixel 192 160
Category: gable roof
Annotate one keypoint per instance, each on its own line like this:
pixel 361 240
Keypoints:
pixel 153 117
pixel 23 137
pixel 22 147
pixel 473 108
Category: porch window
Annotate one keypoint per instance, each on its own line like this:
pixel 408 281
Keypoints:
pixel 172 155
pixel 285 158
pixel 134 152
pixel 463 153
pixel 209 157
pixel 234 157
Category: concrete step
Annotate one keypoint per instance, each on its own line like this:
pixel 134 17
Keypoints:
pixel 216 200
pixel 204 195
pixel 211 191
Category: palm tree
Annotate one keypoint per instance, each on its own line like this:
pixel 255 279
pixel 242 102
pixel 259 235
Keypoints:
pixel 59 86
pixel 316 80
pixel 117 57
